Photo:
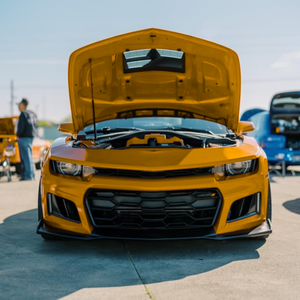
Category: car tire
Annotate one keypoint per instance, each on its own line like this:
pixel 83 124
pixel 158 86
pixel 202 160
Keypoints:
pixel 40 217
pixel 8 174
pixel 7 171
pixel 40 211
pixel 269 209
pixel 38 165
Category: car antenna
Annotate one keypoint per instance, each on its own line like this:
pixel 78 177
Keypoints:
pixel 93 103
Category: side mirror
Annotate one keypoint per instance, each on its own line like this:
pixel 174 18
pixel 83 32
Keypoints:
pixel 66 128
pixel 245 127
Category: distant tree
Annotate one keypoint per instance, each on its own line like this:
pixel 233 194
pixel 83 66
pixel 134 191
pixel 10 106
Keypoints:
pixel 68 119
pixel 45 123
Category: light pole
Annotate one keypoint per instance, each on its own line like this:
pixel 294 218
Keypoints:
pixel 11 97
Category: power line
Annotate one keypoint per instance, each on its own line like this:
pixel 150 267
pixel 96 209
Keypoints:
pixel 12 97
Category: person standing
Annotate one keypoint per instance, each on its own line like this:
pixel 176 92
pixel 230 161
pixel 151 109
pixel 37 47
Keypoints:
pixel 26 131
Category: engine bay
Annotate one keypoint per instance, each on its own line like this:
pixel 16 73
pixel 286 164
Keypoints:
pixel 156 139
pixel 289 126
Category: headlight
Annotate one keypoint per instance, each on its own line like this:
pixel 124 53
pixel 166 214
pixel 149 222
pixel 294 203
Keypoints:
pixel 87 171
pixel 72 169
pixel 10 150
pixel 43 155
pixel 68 168
pixel 238 168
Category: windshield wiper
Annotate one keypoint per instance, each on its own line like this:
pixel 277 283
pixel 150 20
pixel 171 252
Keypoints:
pixel 116 129
pixel 189 129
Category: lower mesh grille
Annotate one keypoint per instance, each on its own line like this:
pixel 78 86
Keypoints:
pixel 153 210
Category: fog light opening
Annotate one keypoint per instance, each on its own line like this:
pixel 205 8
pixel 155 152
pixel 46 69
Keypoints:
pixel 62 208
pixel 245 207
pixel 65 206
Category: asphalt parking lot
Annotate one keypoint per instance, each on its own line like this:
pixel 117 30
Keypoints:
pixel 31 268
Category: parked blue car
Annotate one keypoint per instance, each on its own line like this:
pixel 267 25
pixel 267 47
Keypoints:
pixel 278 130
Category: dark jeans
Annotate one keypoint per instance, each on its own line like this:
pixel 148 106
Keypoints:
pixel 25 148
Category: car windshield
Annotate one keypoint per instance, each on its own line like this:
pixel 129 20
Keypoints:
pixel 154 123
pixel 287 103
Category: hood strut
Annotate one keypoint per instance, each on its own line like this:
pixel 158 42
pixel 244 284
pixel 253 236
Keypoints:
pixel 93 104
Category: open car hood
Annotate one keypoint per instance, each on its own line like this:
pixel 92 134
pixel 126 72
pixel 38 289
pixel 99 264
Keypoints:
pixel 199 79
pixel 7 127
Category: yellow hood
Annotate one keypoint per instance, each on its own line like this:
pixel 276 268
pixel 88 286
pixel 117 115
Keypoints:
pixel 207 87
pixel 7 127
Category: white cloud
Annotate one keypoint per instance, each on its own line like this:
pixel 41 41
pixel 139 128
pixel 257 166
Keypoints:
pixel 287 61
pixel 33 62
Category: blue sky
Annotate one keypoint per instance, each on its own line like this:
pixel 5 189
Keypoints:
pixel 37 37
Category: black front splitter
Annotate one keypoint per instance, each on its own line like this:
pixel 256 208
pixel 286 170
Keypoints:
pixel 261 230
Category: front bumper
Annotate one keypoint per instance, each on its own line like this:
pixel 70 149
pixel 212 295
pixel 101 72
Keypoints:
pixel 231 189
pixel 261 230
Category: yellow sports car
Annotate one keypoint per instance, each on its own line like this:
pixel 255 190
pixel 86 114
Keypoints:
pixel 9 149
pixel 156 149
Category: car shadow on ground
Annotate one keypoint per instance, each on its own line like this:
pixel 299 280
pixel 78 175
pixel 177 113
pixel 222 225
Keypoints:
pixel 31 268
pixel 293 205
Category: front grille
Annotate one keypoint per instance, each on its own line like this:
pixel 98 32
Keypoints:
pixel 153 175
pixel 153 210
